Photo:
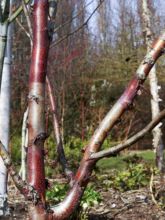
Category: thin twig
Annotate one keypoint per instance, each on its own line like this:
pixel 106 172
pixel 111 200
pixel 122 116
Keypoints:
pixel 79 28
pixel 23 28
pixel 74 17
pixel 27 15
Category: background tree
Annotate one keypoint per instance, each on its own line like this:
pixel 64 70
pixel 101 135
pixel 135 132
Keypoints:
pixel 154 88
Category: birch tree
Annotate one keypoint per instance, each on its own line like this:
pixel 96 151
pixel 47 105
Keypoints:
pixel 5 107
pixel 154 88
pixel 4 14
pixel 6 18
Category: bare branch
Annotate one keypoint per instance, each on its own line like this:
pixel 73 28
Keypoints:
pixel 17 12
pixel 116 149
pixel 57 133
pixel 74 17
pixel 27 15
pixel 79 28
pixel 28 191
pixel 23 28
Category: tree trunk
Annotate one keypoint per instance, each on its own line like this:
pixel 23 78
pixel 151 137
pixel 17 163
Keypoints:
pixel 24 145
pixel 36 104
pixel 4 8
pixel 5 110
pixel 157 134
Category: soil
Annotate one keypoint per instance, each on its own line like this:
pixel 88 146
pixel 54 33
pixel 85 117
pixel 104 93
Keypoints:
pixel 130 205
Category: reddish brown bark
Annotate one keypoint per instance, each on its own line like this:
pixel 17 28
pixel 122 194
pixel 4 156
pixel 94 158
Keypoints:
pixel 36 126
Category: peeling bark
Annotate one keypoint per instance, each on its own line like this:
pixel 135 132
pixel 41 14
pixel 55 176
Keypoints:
pixel 157 133
pixel 36 126
pixel 5 67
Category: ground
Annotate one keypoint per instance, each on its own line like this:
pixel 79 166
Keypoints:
pixel 130 205
pixel 115 205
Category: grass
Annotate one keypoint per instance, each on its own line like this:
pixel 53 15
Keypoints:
pixel 148 155
pixel 119 163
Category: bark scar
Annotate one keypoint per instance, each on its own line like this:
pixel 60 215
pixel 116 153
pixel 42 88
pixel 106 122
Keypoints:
pixel 40 137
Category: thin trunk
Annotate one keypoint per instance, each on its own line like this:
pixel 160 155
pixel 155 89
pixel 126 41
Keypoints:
pixel 60 150
pixel 3 40
pixel 24 146
pixel 82 118
pixel 157 133
pixel 4 14
pixel 36 104
pixel 5 109
pixel 62 112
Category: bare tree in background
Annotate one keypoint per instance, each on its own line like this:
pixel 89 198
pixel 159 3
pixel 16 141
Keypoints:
pixel 154 88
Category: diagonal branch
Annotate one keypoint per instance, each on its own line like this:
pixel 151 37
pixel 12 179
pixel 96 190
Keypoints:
pixel 28 191
pixel 27 15
pixel 17 12
pixel 23 28
pixel 116 149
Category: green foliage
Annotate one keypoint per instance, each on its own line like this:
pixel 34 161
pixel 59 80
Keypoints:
pixel 16 149
pixel 134 177
pixel 73 149
pixel 90 198
pixel 57 193
pixel 136 174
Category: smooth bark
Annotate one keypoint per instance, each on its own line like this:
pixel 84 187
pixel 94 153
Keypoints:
pixel 157 133
pixel 4 14
pixel 36 103
pixel 24 146
pixel 5 67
